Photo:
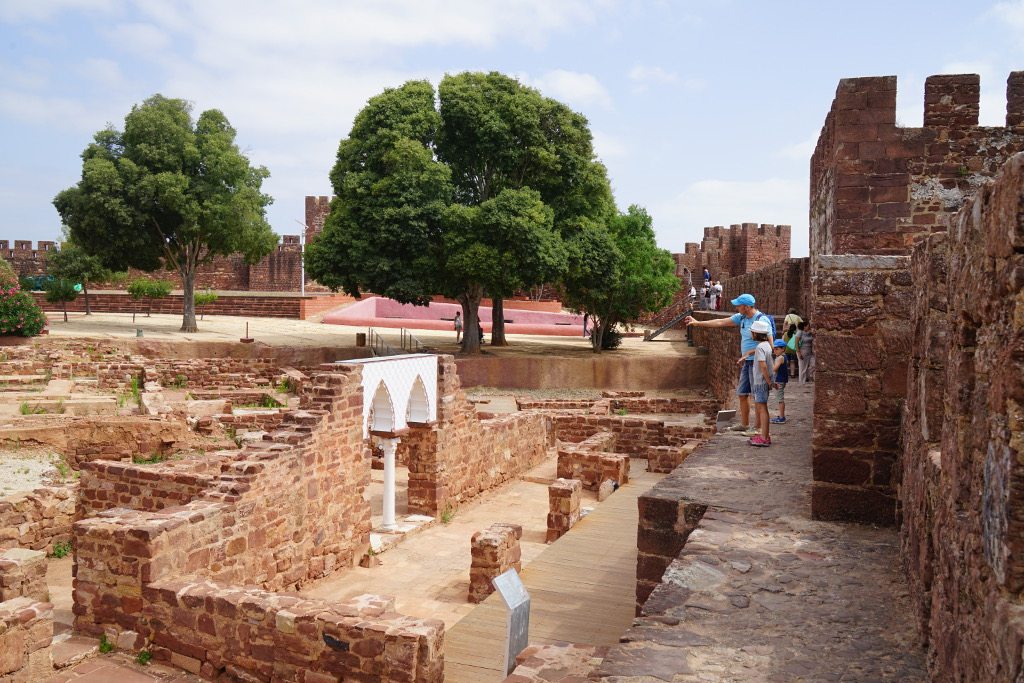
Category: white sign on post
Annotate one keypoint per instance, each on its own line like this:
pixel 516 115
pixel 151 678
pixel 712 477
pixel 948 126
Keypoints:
pixel 517 626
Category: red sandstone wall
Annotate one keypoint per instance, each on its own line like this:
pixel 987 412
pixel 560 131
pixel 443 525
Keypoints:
pixel 738 249
pixel 862 338
pixel 777 287
pixel 962 488
pixel 633 435
pixel 877 190
pixel 257 306
pixel 286 510
pixel 461 456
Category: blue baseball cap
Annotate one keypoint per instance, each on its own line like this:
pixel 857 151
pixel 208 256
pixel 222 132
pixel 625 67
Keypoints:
pixel 743 300
pixel 779 342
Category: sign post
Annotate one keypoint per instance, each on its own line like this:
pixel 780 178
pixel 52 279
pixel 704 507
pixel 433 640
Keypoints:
pixel 517 625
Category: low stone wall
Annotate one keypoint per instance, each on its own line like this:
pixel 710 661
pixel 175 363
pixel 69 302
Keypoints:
pixel 196 626
pixel 460 456
pixel 39 519
pixel 625 405
pixel 634 435
pixel 722 347
pixel 213 373
pixel 602 371
pixel 23 575
pixel 592 468
pixel 106 485
pixel 84 439
pixel 26 632
pixel 667 518
pixel 664 459
pixel 563 507
pixel 494 551
pixel 285 306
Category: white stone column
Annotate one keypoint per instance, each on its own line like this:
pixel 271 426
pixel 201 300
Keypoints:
pixel 390 445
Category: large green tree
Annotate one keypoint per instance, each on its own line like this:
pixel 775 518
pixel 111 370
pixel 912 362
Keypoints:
pixel 616 272
pixel 168 192
pixel 474 196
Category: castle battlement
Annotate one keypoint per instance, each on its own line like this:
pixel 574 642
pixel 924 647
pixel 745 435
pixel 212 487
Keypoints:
pixel 735 250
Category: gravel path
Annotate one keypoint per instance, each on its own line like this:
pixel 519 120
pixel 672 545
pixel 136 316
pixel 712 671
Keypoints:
pixel 25 470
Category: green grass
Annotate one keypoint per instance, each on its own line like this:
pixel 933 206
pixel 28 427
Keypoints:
pixel 284 386
pixel 153 459
pixel 180 382
pixel 447 515
pixel 26 409
pixel 105 645
pixel 265 402
pixel 62 549
pixel 144 657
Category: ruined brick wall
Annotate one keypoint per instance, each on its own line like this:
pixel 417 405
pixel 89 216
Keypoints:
pixel 736 250
pixel 777 287
pixel 877 190
pixel 460 456
pixel 26 632
pixel 23 575
pixel 493 551
pixel 723 348
pixel 38 519
pixel 286 510
pixel 196 627
pixel 633 435
pixel 217 373
pixel 962 486
pixel 106 485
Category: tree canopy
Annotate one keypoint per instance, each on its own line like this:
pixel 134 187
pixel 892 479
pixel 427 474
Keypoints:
pixel 167 191
pixel 618 273
pixel 477 195
pixel 73 263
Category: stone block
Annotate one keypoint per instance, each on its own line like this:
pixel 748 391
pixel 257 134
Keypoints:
pixel 493 551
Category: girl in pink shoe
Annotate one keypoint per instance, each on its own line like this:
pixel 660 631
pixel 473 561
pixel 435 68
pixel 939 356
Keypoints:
pixel 762 380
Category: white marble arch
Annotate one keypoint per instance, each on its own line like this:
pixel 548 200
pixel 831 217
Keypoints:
pixel 397 391
pixel 407 383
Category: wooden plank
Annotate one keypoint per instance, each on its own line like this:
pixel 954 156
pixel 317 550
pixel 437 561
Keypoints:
pixel 582 589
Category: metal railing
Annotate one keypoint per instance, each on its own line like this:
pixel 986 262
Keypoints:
pixel 378 347
pixel 409 343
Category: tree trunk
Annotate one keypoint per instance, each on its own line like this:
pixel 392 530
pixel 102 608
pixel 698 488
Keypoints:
pixel 188 280
pixel 85 290
pixel 470 301
pixel 599 325
pixel 498 322
pixel 64 305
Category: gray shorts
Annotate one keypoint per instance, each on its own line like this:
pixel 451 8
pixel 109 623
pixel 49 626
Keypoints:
pixel 780 393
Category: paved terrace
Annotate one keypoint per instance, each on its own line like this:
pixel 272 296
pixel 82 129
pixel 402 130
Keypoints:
pixel 761 593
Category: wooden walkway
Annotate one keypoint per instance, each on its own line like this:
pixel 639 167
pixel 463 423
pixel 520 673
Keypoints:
pixel 582 590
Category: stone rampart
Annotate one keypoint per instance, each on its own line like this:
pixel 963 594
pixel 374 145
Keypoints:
pixel 877 190
pixel 962 482
pixel 738 249
pixel 777 287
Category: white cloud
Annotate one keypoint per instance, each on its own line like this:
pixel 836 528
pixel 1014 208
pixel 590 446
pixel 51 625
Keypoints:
pixel 609 147
pixel 579 89
pixel 1010 13
pixel 105 73
pixel 40 10
pixel 802 150
pixel 140 38
pixel 652 74
pixel 683 217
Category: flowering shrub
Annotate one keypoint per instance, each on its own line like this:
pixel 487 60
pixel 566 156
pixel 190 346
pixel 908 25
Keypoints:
pixel 20 315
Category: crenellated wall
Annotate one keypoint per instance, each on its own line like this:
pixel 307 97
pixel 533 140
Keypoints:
pixel 732 251
pixel 877 190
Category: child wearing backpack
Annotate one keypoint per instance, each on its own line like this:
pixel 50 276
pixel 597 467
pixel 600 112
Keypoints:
pixel 761 381
pixel 781 372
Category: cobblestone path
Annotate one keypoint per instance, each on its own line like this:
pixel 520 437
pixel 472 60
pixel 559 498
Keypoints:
pixel 763 593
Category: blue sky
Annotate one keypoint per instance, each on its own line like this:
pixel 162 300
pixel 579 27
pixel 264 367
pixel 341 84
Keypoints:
pixel 704 112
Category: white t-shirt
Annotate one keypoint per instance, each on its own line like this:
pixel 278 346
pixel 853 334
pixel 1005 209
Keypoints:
pixel 763 352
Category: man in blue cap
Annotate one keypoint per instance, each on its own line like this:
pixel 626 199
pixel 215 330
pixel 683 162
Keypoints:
pixel 744 317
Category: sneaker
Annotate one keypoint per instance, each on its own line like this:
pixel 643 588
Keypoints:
pixel 778 420
pixel 752 432
pixel 738 428
pixel 760 441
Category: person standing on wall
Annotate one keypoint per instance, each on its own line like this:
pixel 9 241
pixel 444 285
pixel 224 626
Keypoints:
pixel 707 276
pixel 744 318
